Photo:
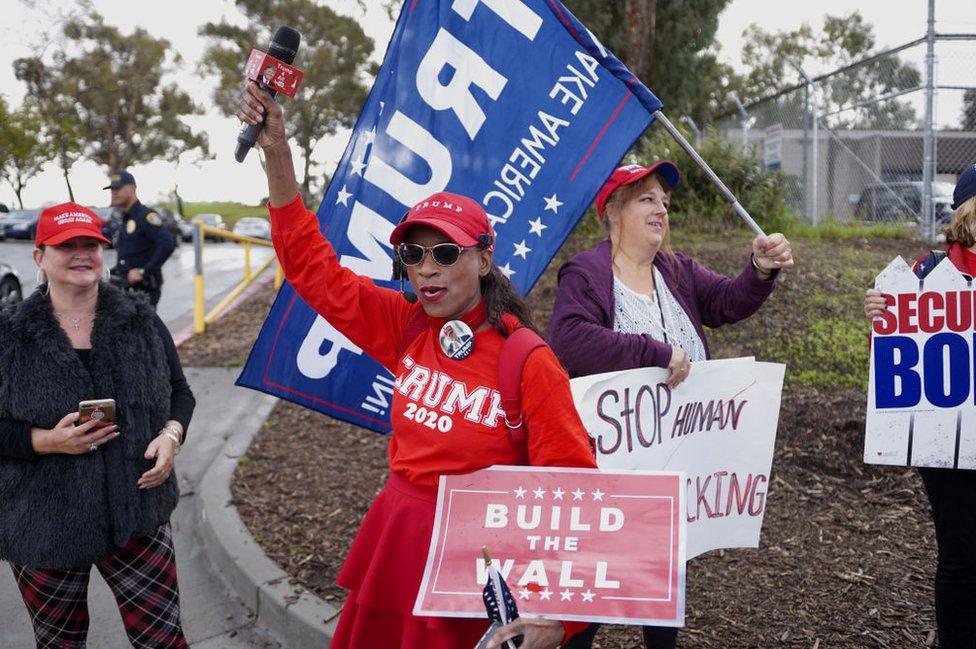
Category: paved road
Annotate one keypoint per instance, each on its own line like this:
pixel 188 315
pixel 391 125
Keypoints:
pixel 213 617
pixel 223 264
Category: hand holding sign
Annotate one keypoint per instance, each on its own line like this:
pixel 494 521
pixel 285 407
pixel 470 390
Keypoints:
pixel 679 367
pixel 875 303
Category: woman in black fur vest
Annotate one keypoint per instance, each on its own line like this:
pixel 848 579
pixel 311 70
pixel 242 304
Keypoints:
pixel 74 495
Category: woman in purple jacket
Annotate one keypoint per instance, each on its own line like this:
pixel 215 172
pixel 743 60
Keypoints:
pixel 631 302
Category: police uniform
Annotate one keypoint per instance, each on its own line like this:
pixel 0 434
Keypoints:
pixel 144 242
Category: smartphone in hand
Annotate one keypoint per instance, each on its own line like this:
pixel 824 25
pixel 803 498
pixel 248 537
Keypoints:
pixel 101 410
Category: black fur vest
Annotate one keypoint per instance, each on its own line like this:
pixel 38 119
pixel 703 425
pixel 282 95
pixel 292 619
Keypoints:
pixel 59 510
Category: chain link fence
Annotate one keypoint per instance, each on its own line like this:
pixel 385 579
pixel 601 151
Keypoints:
pixel 851 143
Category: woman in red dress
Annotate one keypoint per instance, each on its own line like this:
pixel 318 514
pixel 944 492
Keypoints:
pixel 446 409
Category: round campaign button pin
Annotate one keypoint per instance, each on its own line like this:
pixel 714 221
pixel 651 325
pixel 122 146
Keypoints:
pixel 456 339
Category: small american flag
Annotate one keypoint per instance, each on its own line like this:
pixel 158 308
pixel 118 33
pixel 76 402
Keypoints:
pixel 498 598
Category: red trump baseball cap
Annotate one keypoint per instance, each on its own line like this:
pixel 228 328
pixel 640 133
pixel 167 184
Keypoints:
pixel 459 218
pixel 629 174
pixel 59 223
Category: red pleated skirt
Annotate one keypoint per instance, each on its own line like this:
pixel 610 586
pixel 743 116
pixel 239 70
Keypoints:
pixel 383 571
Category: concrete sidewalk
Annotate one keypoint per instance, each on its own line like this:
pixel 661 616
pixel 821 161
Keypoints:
pixel 213 616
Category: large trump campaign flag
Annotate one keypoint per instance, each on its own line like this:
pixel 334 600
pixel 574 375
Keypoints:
pixel 511 102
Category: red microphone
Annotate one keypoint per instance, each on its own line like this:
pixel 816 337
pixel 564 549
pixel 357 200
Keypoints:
pixel 275 66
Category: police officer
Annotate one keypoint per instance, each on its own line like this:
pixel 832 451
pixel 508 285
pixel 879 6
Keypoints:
pixel 144 243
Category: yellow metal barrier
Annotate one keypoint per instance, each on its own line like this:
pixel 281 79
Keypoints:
pixel 200 318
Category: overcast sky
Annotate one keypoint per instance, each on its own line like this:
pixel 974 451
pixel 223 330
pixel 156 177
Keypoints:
pixel 895 22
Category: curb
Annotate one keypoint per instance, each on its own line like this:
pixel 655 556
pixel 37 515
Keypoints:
pixel 299 619
pixel 188 331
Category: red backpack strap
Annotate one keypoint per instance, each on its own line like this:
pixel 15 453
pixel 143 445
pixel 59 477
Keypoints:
pixel 415 326
pixel 519 344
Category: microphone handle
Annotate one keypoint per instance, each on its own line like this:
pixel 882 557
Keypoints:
pixel 248 134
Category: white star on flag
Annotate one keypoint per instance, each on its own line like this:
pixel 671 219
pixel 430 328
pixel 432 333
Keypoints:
pixel 552 203
pixel 506 271
pixel 546 594
pixel 566 596
pixel 382 106
pixel 343 197
pixel 525 593
pixel 597 495
pixel 520 493
pixel 557 493
pixel 588 595
pixel 536 227
pixel 521 250
pixel 578 494
pixel 370 135
pixel 358 166
pixel 539 492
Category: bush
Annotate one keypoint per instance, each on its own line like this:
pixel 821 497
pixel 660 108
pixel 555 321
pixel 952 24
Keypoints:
pixel 697 205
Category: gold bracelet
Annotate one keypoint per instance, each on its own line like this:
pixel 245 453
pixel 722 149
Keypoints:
pixel 168 433
pixel 174 430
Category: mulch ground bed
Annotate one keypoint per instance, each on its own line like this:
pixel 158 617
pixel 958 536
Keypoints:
pixel 847 553
pixel 227 342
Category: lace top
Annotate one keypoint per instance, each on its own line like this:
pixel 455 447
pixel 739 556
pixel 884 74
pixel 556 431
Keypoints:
pixel 662 318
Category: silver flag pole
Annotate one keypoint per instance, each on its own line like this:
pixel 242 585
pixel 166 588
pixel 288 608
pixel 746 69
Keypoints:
pixel 725 191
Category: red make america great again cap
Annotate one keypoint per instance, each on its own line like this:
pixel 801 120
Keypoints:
pixel 59 223
pixel 631 174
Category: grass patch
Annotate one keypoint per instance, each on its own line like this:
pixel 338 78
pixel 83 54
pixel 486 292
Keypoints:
pixel 814 322
pixel 229 210
pixel 834 231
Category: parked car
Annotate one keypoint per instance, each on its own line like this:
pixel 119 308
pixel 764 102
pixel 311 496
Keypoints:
pixel 111 222
pixel 902 201
pixel 170 222
pixel 11 291
pixel 253 226
pixel 213 221
pixel 19 224
pixel 186 229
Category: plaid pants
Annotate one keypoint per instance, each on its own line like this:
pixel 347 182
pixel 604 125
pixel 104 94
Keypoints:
pixel 142 576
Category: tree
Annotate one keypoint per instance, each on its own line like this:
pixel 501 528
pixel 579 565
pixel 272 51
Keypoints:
pixel 22 149
pixel 115 82
pixel 62 123
pixel 969 110
pixel 668 44
pixel 842 41
pixel 334 57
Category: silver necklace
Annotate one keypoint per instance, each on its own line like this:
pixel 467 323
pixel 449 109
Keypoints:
pixel 75 322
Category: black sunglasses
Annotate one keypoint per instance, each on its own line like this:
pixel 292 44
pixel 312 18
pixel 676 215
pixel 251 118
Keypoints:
pixel 443 254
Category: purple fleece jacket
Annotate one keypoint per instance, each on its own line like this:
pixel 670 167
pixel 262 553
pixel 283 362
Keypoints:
pixel 581 330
